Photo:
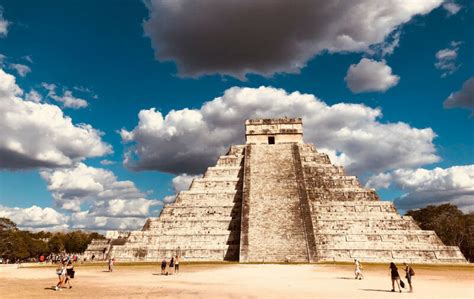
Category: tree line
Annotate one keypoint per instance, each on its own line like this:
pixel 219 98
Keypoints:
pixel 16 244
pixel 452 226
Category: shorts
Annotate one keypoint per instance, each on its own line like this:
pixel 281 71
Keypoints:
pixel 163 267
pixel 176 266
pixel 408 277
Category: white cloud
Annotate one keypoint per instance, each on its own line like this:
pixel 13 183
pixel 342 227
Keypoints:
pixel 84 220
pixel 451 8
pixel 21 69
pixel 3 24
pixel 240 37
pixel 68 100
pixel 463 98
pixel 35 218
pixel 180 183
pixel 370 75
pixel 387 47
pixel 72 187
pixel 183 182
pixel 190 140
pixel 33 96
pixel 446 59
pixel 107 162
pixel 40 135
pixel 430 187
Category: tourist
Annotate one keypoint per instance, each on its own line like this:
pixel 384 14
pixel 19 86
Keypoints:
pixel 163 266
pixel 93 257
pixel 395 277
pixel 60 271
pixel 358 270
pixel 171 265
pixel 69 274
pixel 409 272
pixel 111 264
pixel 176 265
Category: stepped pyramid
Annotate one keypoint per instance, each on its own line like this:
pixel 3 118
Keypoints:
pixel 277 199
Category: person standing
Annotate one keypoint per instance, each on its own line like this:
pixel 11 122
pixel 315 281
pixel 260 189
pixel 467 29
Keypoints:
pixel 395 277
pixel 358 270
pixel 176 265
pixel 69 274
pixel 409 272
pixel 172 265
pixel 163 266
pixel 111 264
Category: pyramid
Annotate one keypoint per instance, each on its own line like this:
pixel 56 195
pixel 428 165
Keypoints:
pixel 277 199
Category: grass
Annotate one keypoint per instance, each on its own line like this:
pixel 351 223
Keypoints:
pixel 201 265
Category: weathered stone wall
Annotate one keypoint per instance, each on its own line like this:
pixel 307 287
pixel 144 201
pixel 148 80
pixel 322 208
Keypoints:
pixel 283 130
pixel 351 222
pixel 203 223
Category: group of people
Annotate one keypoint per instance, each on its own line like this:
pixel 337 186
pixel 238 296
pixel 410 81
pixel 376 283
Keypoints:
pixel 173 267
pixel 65 272
pixel 395 276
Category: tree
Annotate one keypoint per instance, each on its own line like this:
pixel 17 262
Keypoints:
pixel 451 225
pixel 56 244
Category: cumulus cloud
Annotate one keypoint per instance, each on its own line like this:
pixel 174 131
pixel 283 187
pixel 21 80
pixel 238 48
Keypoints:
pixel 463 98
pixel 190 140
pixel 370 75
pixel 240 37
pixel 33 96
pixel 72 187
pixel 451 8
pixel 446 59
pixel 3 24
pixel 68 100
pixel 180 183
pixel 21 69
pixel 84 220
pixel 35 218
pixel 183 182
pixel 424 187
pixel 39 134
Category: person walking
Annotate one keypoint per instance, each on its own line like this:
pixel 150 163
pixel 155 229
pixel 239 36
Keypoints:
pixel 171 267
pixel 358 270
pixel 163 266
pixel 69 274
pixel 395 277
pixel 111 264
pixel 176 265
pixel 61 272
pixel 409 272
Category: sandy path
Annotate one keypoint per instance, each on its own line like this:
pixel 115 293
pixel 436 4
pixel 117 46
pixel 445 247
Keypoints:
pixel 236 281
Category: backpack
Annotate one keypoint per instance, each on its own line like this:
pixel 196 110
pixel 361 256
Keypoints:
pixel 411 272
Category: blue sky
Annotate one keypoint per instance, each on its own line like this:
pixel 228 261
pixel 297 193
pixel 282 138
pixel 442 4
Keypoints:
pixel 101 53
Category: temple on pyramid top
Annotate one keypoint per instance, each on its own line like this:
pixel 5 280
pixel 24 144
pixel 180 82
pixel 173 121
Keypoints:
pixel 277 199
pixel 272 131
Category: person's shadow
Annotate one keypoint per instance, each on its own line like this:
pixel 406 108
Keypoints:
pixel 53 288
pixel 376 290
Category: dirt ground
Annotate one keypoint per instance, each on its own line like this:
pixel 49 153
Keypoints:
pixel 236 281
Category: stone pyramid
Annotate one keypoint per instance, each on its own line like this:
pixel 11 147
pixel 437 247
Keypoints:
pixel 276 199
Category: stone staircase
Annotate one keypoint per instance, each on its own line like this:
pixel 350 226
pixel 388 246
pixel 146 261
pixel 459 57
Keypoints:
pixel 273 225
pixel 202 224
pixel 351 222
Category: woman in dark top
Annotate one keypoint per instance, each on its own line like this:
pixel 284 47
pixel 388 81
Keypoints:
pixel 395 277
